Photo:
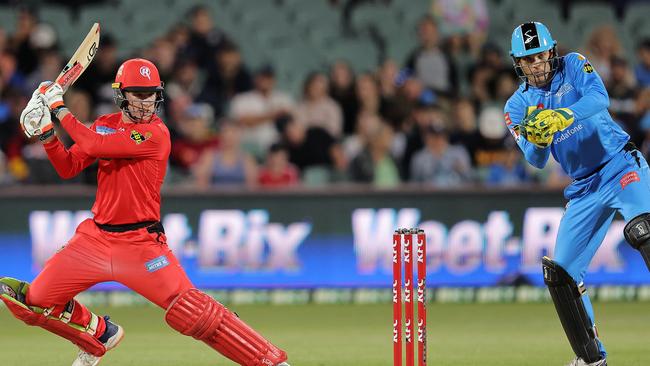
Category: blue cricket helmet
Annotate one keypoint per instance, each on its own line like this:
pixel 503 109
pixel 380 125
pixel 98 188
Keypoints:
pixel 531 38
pixel 528 39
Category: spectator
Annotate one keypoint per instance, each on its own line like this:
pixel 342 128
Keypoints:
pixel 97 80
pixel 354 144
pixel 430 64
pixel 228 165
pixel 602 45
pixel 49 67
pixel 259 110
pixel 510 171
pixel 317 108
pixel 375 164
pixel 622 93
pixel 194 138
pixel 642 69
pixel 387 76
pixel 439 163
pixel 342 90
pixel 423 116
pixel 21 41
pixel 465 128
pixel 410 95
pixel 228 78
pixel 278 171
pixel 204 39
pixel 367 95
pixel 462 16
pixel 311 146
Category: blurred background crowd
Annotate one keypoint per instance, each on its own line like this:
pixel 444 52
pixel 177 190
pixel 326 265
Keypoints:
pixel 281 93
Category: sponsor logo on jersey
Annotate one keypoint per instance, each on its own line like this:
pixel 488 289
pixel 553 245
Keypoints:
pixel 138 137
pixel 157 263
pixel 104 130
pixel 588 68
pixel 629 178
pixel 568 133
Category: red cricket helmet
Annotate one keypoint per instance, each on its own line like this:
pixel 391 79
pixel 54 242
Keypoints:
pixel 136 75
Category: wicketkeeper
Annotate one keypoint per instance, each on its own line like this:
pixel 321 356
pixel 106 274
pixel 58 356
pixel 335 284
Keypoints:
pixel 561 109
pixel 125 241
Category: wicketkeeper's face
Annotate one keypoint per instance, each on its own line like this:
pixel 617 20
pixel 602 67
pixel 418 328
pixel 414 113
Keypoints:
pixel 537 68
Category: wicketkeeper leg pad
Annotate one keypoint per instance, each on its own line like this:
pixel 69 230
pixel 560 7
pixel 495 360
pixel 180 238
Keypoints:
pixel 567 297
pixel 13 293
pixel 637 234
pixel 196 314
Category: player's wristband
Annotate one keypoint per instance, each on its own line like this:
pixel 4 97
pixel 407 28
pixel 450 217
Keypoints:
pixel 49 133
pixel 58 110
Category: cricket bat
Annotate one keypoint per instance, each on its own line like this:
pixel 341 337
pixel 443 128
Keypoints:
pixel 79 61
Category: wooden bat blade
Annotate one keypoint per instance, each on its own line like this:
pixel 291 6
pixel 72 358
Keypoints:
pixel 80 60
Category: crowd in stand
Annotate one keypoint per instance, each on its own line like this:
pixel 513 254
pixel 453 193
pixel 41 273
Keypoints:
pixel 434 118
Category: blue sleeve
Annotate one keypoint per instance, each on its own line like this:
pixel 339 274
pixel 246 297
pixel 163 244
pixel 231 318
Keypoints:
pixel 515 112
pixel 588 84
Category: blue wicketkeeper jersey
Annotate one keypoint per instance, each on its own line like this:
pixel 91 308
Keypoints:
pixel 591 140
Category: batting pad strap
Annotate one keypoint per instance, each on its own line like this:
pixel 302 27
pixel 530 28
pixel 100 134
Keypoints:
pixel 35 316
pixel 194 313
pixel 567 297
pixel 637 234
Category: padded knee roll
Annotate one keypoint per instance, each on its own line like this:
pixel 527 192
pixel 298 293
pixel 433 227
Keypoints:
pixel 637 234
pixel 194 313
pixel 567 297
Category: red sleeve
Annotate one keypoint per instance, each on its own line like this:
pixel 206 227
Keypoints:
pixel 67 163
pixel 146 140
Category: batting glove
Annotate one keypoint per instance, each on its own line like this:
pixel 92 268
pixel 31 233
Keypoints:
pixel 52 95
pixel 35 120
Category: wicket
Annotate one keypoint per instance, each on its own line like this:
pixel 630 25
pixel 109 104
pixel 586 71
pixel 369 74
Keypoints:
pixel 403 241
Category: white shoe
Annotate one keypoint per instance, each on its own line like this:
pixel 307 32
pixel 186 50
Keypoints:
pixel 115 334
pixel 580 362
pixel 283 364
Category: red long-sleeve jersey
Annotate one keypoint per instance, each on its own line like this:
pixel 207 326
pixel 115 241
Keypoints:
pixel 132 165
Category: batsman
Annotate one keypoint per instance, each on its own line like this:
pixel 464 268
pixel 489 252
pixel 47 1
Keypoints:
pixel 560 109
pixel 124 241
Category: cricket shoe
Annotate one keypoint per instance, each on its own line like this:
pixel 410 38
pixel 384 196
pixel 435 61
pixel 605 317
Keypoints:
pixel 111 337
pixel 283 364
pixel 580 362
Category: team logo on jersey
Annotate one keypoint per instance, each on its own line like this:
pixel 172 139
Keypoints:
pixel 629 178
pixel 103 130
pixel 146 72
pixel 140 138
pixel 588 68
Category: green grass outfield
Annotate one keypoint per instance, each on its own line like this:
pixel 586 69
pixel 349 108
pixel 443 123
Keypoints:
pixel 359 335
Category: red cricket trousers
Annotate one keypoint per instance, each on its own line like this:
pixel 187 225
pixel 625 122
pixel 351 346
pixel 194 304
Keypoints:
pixel 138 259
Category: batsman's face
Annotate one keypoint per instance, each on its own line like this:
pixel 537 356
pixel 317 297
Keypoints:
pixel 142 105
pixel 537 68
